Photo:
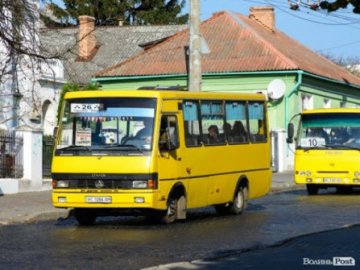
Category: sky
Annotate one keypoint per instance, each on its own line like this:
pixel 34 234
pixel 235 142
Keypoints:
pixel 336 34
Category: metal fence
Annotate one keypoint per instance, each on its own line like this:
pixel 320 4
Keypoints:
pixel 48 145
pixel 11 155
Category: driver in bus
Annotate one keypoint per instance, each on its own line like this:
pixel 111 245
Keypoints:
pixel 318 132
pixel 355 137
pixel 146 131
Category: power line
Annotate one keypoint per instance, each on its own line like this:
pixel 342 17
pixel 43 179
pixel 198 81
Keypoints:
pixel 340 46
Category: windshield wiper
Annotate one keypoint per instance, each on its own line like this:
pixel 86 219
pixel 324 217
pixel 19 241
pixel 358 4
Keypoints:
pixel 75 147
pixel 125 147
pixel 342 146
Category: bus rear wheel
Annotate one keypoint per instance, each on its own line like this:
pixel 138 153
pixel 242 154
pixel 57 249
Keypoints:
pixel 237 206
pixel 84 217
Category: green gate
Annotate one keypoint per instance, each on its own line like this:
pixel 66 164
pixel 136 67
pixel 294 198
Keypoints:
pixel 48 145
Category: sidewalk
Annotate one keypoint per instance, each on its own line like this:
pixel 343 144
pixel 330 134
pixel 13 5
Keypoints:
pixel 35 206
pixel 28 207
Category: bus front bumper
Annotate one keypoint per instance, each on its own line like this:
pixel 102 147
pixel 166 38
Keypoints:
pixel 124 200
pixel 328 180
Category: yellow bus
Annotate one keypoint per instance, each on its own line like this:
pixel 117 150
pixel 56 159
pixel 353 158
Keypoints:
pixel 159 153
pixel 327 149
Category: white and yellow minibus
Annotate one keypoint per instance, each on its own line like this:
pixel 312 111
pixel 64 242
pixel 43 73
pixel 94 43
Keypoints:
pixel 159 153
pixel 327 149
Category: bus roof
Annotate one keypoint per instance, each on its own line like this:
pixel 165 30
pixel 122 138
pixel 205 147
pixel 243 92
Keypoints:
pixel 163 94
pixel 332 110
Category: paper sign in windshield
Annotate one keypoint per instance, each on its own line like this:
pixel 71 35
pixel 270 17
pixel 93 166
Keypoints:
pixel 313 142
pixel 83 137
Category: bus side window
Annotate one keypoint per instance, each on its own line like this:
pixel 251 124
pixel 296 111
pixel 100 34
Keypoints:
pixel 212 120
pixel 236 121
pixel 191 123
pixel 257 122
pixel 169 138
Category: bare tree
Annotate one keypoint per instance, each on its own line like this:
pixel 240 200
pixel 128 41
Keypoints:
pixel 351 63
pixel 21 60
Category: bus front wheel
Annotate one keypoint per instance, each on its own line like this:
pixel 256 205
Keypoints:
pixel 312 189
pixel 170 214
pixel 84 217
pixel 176 210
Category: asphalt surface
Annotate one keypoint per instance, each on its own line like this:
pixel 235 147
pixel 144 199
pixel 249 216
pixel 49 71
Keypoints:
pixel 324 250
pixel 304 252
pixel 36 206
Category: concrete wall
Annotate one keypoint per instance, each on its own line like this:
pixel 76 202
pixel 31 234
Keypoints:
pixel 32 179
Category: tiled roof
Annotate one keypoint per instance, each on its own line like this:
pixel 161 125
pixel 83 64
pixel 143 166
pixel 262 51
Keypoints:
pixel 115 45
pixel 237 43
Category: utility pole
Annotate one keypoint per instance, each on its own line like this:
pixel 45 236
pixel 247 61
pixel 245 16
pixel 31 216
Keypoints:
pixel 195 44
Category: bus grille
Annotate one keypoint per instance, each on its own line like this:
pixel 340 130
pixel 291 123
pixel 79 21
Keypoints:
pixel 103 184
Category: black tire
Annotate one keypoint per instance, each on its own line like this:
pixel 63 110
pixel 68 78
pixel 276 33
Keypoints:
pixel 170 214
pixel 237 206
pixel 240 201
pixel 84 217
pixel 312 189
pixel 344 189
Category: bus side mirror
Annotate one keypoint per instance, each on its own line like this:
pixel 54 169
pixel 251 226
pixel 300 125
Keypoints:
pixel 290 132
pixel 55 132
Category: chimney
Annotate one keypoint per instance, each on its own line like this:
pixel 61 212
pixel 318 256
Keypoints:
pixel 264 16
pixel 86 38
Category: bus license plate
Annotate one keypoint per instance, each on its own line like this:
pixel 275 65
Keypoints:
pixel 98 199
pixel 332 180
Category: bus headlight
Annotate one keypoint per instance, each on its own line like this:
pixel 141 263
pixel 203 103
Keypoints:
pixel 139 184
pixel 356 174
pixel 150 183
pixel 62 184
pixel 305 173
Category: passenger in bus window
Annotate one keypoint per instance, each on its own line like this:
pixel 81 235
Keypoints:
pixel 239 131
pixel 227 132
pixel 213 134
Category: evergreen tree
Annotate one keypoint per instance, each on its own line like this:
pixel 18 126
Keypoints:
pixel 109 12
pixel 335 5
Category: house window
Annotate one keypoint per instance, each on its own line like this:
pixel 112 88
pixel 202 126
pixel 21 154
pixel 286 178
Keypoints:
pixel 327 103
pixel 306 102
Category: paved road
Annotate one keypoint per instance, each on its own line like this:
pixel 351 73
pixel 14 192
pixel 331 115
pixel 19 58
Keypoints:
pixel 130 243
pixel 335 248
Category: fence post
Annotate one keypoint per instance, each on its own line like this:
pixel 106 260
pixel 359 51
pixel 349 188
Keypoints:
pixel 278 151
pixel 32 157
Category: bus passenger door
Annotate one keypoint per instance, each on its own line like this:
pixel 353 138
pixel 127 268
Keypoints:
pixel 168 153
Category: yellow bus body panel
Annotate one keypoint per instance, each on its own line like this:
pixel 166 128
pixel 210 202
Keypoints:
pixel 327 167
pixel 101 164
pixel 208 173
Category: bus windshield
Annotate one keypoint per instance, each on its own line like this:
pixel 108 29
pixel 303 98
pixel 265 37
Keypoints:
pixel 107 125
pixel 329 130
